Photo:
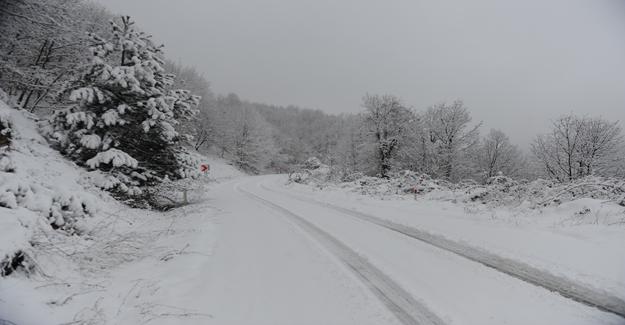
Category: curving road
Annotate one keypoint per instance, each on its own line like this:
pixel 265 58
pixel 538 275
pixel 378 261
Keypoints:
pixel 284 260
pixel 566 287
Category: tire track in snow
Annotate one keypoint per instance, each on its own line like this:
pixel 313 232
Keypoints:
pixel 566 287
pixel 402 304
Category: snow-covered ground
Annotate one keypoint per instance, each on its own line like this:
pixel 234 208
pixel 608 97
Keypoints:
pixel 557 239
pixel 133 270
pixel 106 263
pixel 254 250
pixel 553 238
pixel 221 170
pixel 457 290
pixel 266 270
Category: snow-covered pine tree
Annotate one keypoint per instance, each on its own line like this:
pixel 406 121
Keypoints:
pixel 124 112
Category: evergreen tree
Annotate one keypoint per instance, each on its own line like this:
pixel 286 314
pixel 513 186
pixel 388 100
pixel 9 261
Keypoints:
pixel 125 111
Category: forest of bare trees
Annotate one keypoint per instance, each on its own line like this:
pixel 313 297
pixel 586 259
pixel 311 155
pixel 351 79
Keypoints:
pixel 44 53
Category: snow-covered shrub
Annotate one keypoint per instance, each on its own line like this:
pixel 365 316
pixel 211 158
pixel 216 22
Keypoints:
pixel 312 163
pixel 14 262
pixel 301 177
pixel 350 176
pixel 173 193
pixel 539 188
pixel 6 163
pixel 603 188
pixel 418 183
pixel 501 191
pixel 311 171
pixel 399 183
pixel 124 114
pixel 62 210
pixel 497 190
pixel 66 212
pixel 5 125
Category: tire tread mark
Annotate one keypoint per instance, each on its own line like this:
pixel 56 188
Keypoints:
pixel 566 287
pixel 402 304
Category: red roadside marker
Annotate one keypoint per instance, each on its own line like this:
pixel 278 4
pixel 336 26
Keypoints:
pixel 204 168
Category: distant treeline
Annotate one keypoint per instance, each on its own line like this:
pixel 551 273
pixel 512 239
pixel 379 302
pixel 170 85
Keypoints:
pixel 45 48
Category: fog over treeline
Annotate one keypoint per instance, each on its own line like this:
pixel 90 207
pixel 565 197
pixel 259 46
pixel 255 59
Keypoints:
pixel 516 65
pixel 46 50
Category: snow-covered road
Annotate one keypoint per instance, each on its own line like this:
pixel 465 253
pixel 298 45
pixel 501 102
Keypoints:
pixel 280 260
pixel 591 296
pixel 267 270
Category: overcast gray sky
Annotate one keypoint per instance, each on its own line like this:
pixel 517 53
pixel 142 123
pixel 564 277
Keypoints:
pixel 516 64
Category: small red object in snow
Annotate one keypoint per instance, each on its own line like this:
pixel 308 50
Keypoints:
pixel 205 167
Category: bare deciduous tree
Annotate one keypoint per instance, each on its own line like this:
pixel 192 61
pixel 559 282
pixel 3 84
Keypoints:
pixel 199 128
pixel 577 147
pixel 42 44
pixel 497 155
pixel 449 129
pixel 386 119
pixel 600 141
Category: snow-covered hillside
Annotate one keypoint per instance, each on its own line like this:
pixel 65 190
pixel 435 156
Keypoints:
pixel 72 254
